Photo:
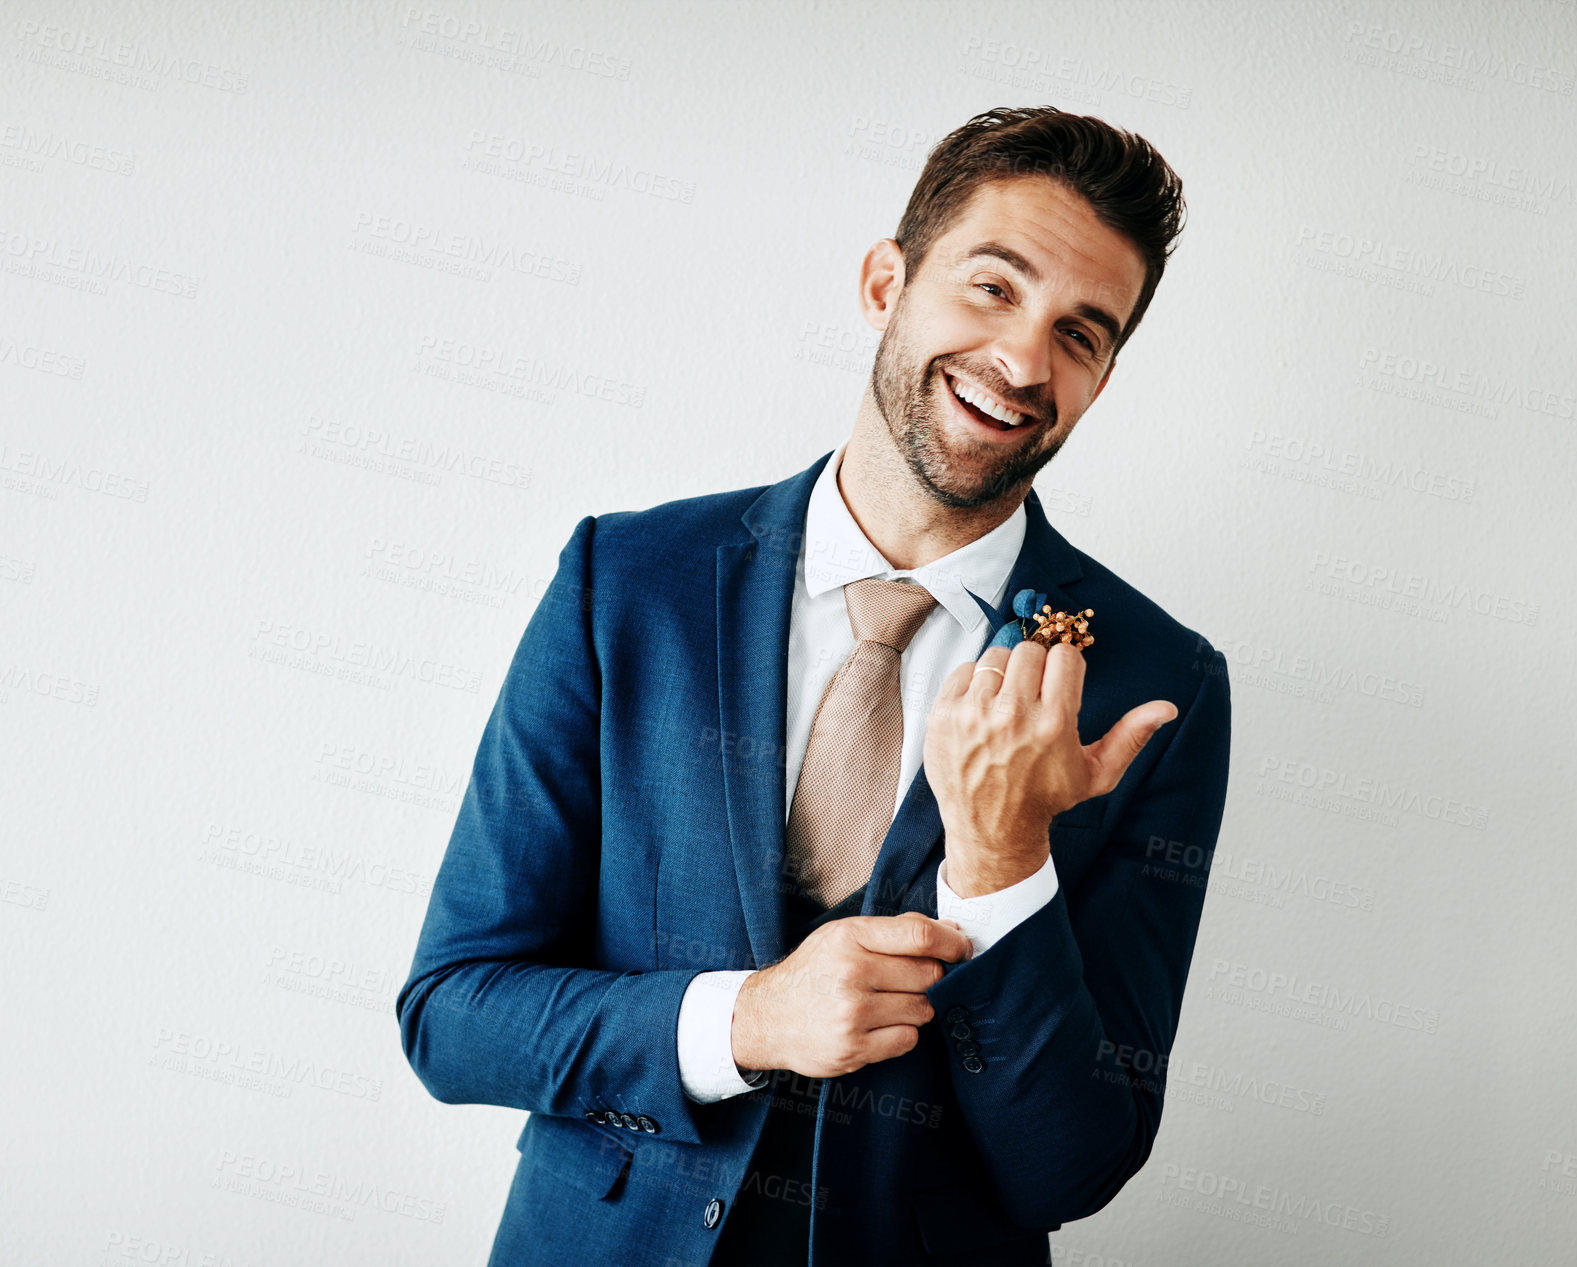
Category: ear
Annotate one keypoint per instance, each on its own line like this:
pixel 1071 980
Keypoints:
pixel 881 282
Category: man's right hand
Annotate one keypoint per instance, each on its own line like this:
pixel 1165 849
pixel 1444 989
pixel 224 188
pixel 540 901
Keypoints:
pixel 850 994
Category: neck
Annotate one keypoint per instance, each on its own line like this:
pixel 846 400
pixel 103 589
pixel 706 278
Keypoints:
pixel 899 516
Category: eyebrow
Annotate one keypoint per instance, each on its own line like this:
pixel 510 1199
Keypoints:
pixel 1092 313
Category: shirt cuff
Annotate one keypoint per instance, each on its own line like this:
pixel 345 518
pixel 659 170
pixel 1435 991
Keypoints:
pixel 987 917
pixel 706 1039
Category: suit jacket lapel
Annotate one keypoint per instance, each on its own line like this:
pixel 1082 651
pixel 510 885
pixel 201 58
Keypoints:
pixel 755 594
pixel 755 598
pixel 1045 561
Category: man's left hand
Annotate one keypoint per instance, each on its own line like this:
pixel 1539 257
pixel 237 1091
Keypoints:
pixel 1003 758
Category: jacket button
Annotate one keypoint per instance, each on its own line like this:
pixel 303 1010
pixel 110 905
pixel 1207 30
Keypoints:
pixel 646 1124
pixel 714 1211
pixel 956 1013
pixel 974 1064
pixel 630 1124
pixel 962 1030
pixel 968 1048
pixel 592 1115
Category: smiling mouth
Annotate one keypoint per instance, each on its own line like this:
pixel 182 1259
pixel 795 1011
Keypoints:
pixel 985 410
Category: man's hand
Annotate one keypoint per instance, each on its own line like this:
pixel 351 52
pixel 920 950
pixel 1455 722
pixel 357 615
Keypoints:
pixel 1003 758
pixel 850 994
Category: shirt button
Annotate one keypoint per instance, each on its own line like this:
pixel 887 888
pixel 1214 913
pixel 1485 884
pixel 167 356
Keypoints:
pixel 973 1064
pixel 714 1211
pixel 647 1124
pixel 956 1013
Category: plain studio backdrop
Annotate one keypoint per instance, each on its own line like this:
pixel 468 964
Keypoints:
pixel 322 326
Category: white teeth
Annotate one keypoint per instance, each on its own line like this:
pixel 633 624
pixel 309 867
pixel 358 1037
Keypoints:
pixel 985 404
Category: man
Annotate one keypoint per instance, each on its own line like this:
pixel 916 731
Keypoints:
pixel 808 926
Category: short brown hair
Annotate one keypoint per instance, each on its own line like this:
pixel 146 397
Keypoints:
pixel 1127 183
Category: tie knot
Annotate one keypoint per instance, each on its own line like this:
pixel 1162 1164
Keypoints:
pixel 888 612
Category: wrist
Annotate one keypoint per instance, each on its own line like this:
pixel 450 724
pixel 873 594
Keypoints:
pixel 976 872
pixel 745 1030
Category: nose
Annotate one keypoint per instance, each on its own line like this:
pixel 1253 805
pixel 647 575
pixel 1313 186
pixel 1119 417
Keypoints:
pixel 1024 357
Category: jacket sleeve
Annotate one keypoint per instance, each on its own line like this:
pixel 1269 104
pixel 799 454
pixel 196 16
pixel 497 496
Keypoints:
pixel 503 1004
pixel 1067 1022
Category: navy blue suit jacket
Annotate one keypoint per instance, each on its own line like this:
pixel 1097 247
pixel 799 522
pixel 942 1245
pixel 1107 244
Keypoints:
pixel 623 830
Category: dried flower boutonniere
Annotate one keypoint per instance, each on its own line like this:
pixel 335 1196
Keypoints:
pixel 1036 621
pixel 1058 626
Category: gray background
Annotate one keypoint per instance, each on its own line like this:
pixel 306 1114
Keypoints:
pixel 323 325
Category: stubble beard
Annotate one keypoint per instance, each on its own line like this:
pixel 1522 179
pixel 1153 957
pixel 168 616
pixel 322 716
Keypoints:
pixel 904 397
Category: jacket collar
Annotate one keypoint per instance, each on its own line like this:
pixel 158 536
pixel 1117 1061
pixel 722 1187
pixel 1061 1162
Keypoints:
pixel 837 552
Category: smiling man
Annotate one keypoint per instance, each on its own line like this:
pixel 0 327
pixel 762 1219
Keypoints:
pixel 824 917
pixel 1010 320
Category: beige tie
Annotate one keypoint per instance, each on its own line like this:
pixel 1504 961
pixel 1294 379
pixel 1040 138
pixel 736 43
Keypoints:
pixel 843 798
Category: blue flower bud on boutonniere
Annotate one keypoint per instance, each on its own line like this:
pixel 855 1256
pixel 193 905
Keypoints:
pixel 1025 604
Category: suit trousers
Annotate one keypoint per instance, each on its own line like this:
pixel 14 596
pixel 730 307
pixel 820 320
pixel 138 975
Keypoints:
pixel 769 1225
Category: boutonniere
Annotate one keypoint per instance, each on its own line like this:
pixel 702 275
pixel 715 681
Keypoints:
pixel 1037 622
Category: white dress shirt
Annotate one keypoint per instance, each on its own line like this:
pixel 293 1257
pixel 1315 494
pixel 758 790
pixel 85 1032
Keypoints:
pixel 833 553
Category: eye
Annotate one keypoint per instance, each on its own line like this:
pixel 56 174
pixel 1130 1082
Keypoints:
pixel 1082 337
pixel 991 286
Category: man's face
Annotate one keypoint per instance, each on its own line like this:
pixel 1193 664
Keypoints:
pixel 1023 298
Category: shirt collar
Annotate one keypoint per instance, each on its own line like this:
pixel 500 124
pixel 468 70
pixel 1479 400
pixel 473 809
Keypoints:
pixel 837 552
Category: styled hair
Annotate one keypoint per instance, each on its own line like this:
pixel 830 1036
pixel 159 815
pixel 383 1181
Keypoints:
pixel 1126 182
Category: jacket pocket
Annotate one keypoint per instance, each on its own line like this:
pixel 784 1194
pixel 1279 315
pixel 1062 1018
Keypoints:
pixel 575 1152
pixel 957 1219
